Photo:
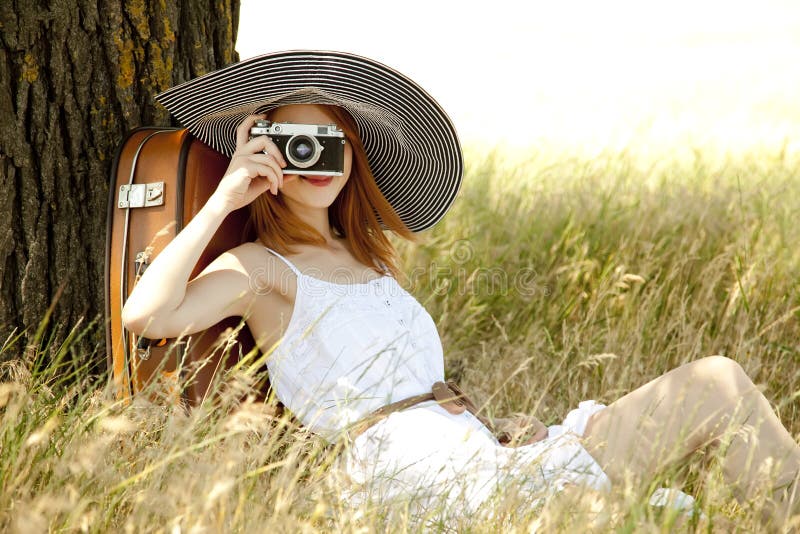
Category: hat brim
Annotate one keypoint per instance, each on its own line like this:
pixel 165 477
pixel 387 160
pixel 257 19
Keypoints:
pixel 411 144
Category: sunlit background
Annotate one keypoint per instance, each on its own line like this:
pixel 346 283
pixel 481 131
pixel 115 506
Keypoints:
pixel 581 73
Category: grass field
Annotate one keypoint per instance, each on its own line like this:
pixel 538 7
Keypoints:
pixel 554 278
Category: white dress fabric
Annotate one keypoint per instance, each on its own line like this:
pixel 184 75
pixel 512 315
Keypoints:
pixel 349 349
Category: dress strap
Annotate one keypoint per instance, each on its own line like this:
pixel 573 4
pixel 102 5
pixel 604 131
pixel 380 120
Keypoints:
pixel 287 262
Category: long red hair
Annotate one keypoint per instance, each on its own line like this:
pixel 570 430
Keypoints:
pixel 351 215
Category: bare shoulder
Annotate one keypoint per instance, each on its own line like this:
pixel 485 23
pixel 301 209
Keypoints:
pixel 247 253
pixel 246 270
pixel 240 259
pixel 254 261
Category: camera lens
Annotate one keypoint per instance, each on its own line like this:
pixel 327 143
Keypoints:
pixel 303 151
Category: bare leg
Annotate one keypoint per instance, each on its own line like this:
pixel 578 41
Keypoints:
pixel 691 407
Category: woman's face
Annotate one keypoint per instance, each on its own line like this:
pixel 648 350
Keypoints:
pixel 302 190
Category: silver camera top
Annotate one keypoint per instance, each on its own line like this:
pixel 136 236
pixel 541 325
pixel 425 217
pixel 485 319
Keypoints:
pixel 265 127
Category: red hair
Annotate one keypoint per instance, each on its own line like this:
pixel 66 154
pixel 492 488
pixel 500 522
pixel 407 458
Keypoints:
pixel 351 215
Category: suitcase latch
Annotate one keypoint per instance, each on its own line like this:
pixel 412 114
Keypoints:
pixel 141 195
pixel 141 263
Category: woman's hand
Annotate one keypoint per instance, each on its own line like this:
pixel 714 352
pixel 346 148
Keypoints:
pixel 256 166
pixel 519 430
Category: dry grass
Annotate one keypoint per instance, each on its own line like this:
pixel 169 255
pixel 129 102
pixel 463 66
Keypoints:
pixel 552 280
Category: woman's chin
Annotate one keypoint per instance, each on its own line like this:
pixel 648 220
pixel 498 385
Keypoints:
pixel 310 199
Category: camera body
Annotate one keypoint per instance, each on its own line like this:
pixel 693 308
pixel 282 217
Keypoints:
pixel 309 149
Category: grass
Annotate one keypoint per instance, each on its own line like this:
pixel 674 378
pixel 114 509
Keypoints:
pixel 553 279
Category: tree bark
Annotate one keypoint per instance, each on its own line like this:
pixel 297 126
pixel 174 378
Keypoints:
pixel 75 76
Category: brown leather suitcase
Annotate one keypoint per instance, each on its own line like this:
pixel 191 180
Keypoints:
pixel 160 178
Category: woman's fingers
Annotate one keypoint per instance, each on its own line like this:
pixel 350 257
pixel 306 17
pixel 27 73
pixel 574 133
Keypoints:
pixel 263 171
pixel 243 130
pixel 540 434
pixel 260 149
pixel 263 143
pixel 520 430
pixel 255 166
pixel 259 143
pixel 267 159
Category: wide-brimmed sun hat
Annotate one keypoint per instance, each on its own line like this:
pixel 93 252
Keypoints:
pixel 411 144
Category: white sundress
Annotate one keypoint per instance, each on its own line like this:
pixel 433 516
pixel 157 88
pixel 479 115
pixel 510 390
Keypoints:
pixel 349 349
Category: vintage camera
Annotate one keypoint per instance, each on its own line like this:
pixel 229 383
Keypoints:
pixel 309 149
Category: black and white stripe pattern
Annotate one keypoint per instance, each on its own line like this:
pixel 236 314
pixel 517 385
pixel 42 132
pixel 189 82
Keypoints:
pixel 411 144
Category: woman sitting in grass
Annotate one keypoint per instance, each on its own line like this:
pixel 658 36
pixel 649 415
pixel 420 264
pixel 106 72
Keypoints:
pixel 355 357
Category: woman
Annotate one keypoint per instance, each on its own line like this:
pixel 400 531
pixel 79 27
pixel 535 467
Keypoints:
pixel 346 339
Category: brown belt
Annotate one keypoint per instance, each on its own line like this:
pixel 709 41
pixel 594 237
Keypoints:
pixel 447 394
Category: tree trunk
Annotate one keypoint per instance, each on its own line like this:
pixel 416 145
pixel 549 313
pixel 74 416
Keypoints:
pixel 74 77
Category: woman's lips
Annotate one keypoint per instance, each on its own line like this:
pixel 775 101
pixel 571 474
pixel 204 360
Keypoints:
pixel 319 182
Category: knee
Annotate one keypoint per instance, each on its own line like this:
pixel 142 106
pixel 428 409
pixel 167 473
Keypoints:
pixel 721 374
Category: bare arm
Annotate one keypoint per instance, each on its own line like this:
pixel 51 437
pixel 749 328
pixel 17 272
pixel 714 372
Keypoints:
pixel 164 303
pixel 152 309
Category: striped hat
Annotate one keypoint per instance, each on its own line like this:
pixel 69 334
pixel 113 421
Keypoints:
pixel 411 144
